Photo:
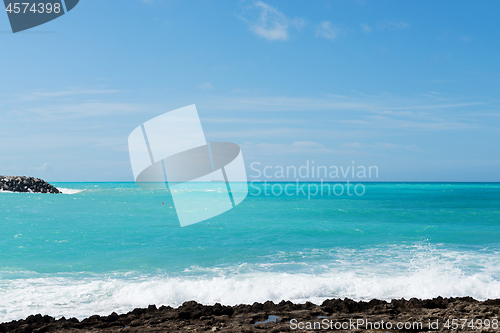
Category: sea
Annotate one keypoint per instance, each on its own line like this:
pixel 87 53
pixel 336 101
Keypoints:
pixel 104 247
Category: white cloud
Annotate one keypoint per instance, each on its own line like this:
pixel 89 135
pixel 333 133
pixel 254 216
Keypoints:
pixel 327 30
pixel 43 168
pixel 393 25
pixel 284 103
pixel 352 145
pixel 79 110
pixel 404 124
pixel 272 24
pixel 466 38
pixel 379 145
pixel 206 86
pixel 258 120
pixel 254 133
pixel 287 148
pixel 63 93
pixel 390 106
pixel 366 28
pixel 306 144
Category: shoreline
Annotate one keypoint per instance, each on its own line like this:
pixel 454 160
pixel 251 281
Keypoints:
pixel 331 315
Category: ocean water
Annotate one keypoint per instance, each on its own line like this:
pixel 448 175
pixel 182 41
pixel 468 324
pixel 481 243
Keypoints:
pixel 104 247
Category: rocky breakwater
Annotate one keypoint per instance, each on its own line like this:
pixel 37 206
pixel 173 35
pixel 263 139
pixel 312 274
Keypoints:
pixel 26 184
pixel 334 315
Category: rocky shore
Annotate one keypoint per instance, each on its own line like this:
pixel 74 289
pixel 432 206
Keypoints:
pixel 26 184
pixel 433 315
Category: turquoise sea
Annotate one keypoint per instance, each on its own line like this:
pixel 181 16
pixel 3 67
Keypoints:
pixel 104 247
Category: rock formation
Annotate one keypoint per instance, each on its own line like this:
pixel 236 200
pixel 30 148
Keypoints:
pixel 431 315
pixel 26 184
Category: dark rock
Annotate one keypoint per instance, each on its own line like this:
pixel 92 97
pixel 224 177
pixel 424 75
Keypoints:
pixel 194 317
pixel 26 184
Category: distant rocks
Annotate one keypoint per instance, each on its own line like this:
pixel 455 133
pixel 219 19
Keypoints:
pixel 26 184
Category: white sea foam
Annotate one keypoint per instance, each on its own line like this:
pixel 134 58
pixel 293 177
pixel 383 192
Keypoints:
pixel 69 191
pixel 62 190
pixel 79 296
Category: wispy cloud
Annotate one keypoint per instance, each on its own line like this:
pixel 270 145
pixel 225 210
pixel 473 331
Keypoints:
pixel 466 38
pixel 255 133
pixel 43 168
pixel 79 110
pixel 380 145
pixel 295 147
pixel 398 123
pixel 364 115
pixel 270 23
pixel 284 103
pixel 443 81
pixel 362 103
pixel 327 30
pixel 206 86
pixel 393 25
pixel 258 120
pixel 497 114
pixel 34 95
pixel 366 28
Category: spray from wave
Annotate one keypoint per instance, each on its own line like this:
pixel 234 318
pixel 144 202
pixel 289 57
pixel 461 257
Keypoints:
pixel 81 295
pixel 69 191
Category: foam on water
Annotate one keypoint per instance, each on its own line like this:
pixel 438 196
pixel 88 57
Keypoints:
pixel 81 295
pixel 69 190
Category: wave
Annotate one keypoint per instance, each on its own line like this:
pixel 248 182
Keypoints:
pixel 82 295
pixel 69 191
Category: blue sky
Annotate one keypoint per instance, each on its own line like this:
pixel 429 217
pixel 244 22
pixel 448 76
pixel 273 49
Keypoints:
pixel 411 87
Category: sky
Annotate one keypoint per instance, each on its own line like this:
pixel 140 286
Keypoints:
pixel 409 87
